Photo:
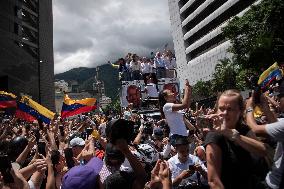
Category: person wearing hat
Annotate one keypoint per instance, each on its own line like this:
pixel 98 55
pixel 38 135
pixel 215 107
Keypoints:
pixel 274 130
pixel 83 176
pixel 161 144
pixel 77 144
pixel 186 168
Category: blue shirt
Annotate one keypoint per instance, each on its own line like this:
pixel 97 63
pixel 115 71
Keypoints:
pixel 159 63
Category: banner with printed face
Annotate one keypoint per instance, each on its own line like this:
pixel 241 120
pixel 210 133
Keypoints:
pixel 131 93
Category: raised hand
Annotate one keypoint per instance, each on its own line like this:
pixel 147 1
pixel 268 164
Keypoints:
pixel 19 180
pixel 40 165
pixel 122 145
pixel 164 171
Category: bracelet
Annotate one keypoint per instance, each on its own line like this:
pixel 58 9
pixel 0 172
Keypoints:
pixel 250 109
pixel 148 185
pixel 235 135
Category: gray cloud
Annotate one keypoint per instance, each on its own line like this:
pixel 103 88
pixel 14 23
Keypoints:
pixel 91 32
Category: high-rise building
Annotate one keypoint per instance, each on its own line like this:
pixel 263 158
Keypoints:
pixel 197 33
pixel 26 49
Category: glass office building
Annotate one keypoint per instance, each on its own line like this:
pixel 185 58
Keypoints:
pixel 26 49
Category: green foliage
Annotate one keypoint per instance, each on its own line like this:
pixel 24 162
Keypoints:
pixel 86 77
pixel 109 76
pixel 242 82
pixel 255 39
pixel 201 90
pixel 254 36
pixel 225 76
pixel 114 106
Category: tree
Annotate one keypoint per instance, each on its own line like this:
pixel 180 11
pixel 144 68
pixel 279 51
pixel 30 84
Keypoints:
pixel 114 106
pixel 201 90
pixel 256 35
pixel 225 76
pixel 243 79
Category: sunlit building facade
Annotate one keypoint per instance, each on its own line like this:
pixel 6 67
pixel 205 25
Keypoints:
pixel 197 33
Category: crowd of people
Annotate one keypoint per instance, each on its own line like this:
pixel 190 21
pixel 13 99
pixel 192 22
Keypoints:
pixel 160 65
pixel 227 146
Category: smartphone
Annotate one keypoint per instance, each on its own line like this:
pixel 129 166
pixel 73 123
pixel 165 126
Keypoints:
pixel 5 168
pixel 257 93
pixel 203 122
pixel 40 124
pixel 37 134
pixel 191 167
pixel 61 129
pixel 41 148
pixel 89 131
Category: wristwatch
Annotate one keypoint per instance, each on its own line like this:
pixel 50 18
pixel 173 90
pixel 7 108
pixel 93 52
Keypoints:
pixel 250 109
pixel 235 135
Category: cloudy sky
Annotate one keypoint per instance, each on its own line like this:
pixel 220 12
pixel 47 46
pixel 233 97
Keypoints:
pixel 91 32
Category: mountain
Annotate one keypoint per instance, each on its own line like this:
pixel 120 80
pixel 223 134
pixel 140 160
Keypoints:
pixel 86 77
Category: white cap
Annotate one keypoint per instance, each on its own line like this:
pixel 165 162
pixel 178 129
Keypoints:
pixel 77 142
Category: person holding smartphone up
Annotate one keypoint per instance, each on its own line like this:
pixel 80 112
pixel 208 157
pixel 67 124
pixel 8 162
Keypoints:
pixel 187 170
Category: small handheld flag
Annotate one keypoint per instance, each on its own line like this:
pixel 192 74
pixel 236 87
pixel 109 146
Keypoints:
pixel 273 73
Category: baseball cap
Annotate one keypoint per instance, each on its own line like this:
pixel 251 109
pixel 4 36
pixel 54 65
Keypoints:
pixel 120 129
pixel 181 140
pixel 77 142
pixel 83 176
pixel 158 133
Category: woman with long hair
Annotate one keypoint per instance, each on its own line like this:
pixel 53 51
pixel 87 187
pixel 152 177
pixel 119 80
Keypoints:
pixel 171 110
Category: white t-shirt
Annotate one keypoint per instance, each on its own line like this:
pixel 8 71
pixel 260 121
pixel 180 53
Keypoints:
pixel 276 131
pixel 177 167
pixel 152 90
pixel 174 120
pixel 135 66
pixel 145 67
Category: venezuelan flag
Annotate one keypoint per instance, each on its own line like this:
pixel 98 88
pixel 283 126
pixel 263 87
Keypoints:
pixel 268 76
pixel 7 100
pixel 73 107
pixel 30 110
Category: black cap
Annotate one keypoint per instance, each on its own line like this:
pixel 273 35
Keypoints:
pixel 181 140
pixel 118 129
pixel 158 131
pixel 17 146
